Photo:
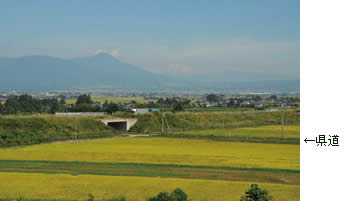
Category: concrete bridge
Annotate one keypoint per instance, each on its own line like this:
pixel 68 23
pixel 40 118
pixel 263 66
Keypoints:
pixel 120 124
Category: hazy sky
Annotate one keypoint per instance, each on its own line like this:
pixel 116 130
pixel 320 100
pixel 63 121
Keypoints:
pixel 176 36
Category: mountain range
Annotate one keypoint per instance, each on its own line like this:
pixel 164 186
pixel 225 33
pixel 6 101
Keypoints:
pixel 34 73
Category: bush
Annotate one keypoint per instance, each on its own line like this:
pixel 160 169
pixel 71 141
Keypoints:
pixel 176 195
pixel 162 196
pixel 255 193
pixel 91 197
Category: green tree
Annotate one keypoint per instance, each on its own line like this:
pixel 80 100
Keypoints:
pixel 176 195
pixel 140 106
pixel 23 103
pixel 178 107
pixel 55 106
pixel 84 99
pixel 62 101
pixel 213 98
pixel 110 108
pixel 162 196
pixel 91 197
pixel 83 108
pixel 255 193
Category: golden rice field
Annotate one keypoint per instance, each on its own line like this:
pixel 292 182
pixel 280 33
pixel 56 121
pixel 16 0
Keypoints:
pixel 272 131
pixel 62 186
pixel 28 176
pixel 164 151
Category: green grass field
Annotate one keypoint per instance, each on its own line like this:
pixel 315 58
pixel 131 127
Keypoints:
pixel 272 131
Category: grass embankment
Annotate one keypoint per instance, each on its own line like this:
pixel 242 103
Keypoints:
pixel 151 122
pixel 21 130
pixel 273 131
pixel 263 134
pixel 62 187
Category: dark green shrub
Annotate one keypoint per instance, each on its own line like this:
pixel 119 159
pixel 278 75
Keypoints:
pixel 176 195
pixel 91 197
pixel 116 199
pixel 162 196
pixel 255 193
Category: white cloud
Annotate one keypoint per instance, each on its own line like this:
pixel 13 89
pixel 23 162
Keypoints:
pixel 113 53
pixel 99 51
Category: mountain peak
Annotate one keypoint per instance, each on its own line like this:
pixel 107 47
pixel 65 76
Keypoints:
pixel 100 57
pixel 103 54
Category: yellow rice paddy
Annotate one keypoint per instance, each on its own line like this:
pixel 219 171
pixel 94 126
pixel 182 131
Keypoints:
pixel 60 186
pixel 164 151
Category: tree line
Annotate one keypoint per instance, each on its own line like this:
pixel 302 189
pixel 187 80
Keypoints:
pixel 26 104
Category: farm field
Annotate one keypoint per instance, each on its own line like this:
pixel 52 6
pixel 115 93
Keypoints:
pixel 63 186
pixel 164 151
pixel 141 167
pixel 272 131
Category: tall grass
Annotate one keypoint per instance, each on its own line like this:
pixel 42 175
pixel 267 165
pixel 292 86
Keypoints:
pixel 22 130
pixel 151 122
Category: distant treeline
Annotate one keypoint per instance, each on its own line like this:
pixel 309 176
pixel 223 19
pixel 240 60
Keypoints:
pixel 26 104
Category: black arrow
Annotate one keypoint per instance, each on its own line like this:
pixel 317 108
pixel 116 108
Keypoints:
pixel 306 140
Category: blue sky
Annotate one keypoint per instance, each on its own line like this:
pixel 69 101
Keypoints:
pixel 182 37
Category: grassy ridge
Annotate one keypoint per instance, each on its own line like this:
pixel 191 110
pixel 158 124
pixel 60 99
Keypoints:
pixel 63 186
pixel 22 130
pixel 151 122
pixel 60 126
pixel 261 134
pixel 270 140
pixel 154 170
pixel 272 131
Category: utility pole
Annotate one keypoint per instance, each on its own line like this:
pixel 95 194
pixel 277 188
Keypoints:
pixel 168 128
pixel 286 122
pixel 162 120
pixel 283 126
pixel 75 126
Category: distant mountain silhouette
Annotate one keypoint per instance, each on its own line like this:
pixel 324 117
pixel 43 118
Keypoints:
pixel 105 71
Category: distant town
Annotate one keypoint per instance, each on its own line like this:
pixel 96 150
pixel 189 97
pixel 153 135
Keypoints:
pixel 14 103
